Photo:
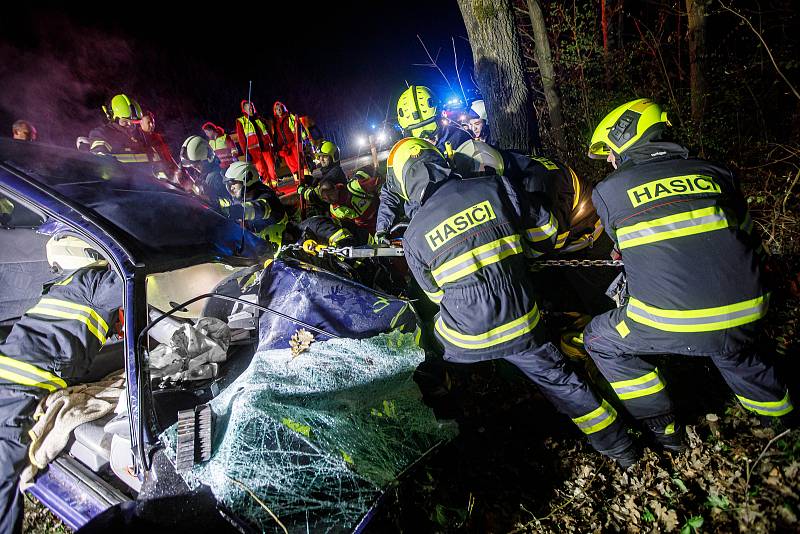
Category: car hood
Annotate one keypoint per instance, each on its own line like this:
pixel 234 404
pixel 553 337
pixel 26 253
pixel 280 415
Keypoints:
pixel 160 226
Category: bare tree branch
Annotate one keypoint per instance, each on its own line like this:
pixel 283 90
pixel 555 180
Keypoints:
pixel 764 43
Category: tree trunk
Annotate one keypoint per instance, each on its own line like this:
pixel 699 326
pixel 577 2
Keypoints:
pixel 544 59
pixel 499 73
pixel 696 34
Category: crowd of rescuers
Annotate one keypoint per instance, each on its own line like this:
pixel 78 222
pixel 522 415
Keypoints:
pixel 478 217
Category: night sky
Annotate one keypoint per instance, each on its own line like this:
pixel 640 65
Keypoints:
pixel 343 64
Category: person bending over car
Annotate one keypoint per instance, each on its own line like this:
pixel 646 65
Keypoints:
pixel 51 347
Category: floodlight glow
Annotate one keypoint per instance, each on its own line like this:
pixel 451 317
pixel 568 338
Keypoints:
pixel 382 137
pixel 361 141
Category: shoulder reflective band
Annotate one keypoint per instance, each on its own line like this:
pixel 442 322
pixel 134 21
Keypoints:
pixel 28 375
pixel 678 225
pixel 435 297
pixel 576 188
pixel 495 336
pixel 702 320
pixel 768 408
pixel 639 387
pixel 337 236
pixel 125 157
pixel 99 143
pixel 544 232
pixel 64 309
pixel 596 420
pixel 472 260
pixel 561 239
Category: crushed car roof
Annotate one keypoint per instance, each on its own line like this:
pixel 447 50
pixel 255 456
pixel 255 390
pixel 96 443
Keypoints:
pixel 159 224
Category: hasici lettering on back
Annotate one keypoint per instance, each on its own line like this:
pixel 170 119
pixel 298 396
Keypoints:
pixel 693 184
pixel 459 223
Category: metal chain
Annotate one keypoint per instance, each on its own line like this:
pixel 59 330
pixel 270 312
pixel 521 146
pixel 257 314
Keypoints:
pixel 578 263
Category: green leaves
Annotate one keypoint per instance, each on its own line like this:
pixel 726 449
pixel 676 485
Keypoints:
pixel 717 501
pixel 692 525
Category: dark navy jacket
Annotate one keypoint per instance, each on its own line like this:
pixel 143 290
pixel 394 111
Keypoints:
pixel 466 247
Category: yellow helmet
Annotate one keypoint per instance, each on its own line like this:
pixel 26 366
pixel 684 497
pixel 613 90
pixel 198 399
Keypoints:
pixel 626 125
pixel 329 148
pixel 417 111
pixel 123 107
pixel 403 154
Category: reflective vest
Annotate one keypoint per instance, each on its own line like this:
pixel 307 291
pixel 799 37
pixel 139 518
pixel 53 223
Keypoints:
pixel 222 149
pixel 685 235
pixel 252 134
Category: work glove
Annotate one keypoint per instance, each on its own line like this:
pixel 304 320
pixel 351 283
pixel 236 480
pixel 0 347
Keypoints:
pixel 381 239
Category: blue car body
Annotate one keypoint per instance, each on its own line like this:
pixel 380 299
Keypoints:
pixel 142 226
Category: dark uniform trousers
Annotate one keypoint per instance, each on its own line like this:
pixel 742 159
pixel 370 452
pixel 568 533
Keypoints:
pixel 693 272
pixel 465 247
pixel 49 348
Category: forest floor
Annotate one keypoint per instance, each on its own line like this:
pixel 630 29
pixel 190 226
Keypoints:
pixel 518 466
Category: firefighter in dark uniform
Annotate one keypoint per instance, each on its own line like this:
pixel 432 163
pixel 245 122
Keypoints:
pixel 465 246
pixel 575 226
pixel 121 136
pixel 418 115
pixel 254 203
pixel 199 159
pixel 693 272
pixel 49 348
pixel 330 171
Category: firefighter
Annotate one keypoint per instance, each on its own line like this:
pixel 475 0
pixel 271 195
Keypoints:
pixel 464 246
pixel 418 115
pixel 200 160
pixel 353 204
pixel 253 132
pixel 254 203
pixel 576 232
pixel 330 171
pixel 222 145
pixel 286 136
pixel 121 137
pixel 694 280
pixel 23 130
pixel 51 347
pixel 321 231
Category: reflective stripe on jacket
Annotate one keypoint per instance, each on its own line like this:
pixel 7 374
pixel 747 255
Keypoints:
pixel 56 340
pixel 466 247
pixel 686 238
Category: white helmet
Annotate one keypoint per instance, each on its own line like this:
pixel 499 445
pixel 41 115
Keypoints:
pixel 195 148
pixel 479 107
pixel 69 253
pixel 476 158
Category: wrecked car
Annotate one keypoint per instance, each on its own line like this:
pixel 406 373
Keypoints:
pixel 259 392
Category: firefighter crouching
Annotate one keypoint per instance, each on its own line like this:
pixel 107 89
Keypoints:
pixel 254 203
pixel 51 347
pixel 465 247
pixel 693 273
pixel 575 232
pixel 199 160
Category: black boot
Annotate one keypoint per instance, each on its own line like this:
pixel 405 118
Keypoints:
pixel 627 457
pixel 668 434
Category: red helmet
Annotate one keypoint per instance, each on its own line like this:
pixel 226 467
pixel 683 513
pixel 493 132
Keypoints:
pixel 252 107
pixel 280 105
pixel 211 126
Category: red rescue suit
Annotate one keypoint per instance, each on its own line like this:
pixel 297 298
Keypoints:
pixel 254 138
pixel 286 138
